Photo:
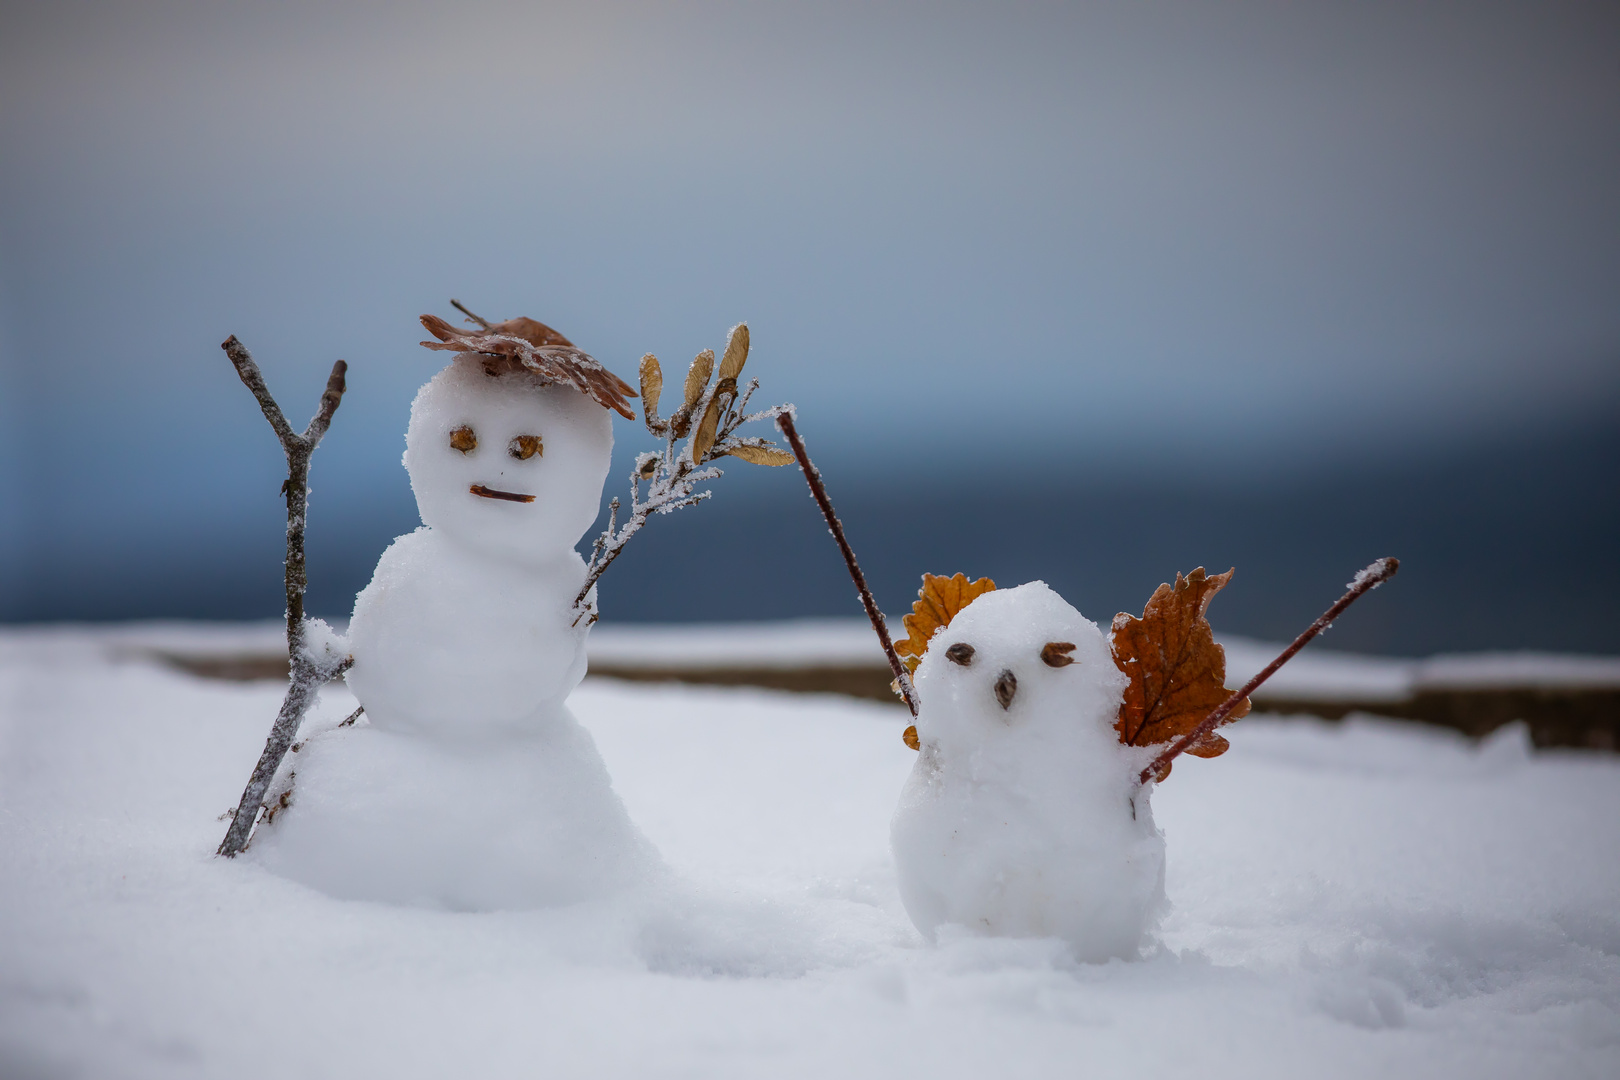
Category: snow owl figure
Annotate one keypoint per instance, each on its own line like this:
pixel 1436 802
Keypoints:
pixel 1023 816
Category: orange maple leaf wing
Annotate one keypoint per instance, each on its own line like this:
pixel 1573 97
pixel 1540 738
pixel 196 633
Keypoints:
pixel 1176 670
pixel 938 602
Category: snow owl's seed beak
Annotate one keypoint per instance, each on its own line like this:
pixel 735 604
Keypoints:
pixel 508 496
pixel 1006 687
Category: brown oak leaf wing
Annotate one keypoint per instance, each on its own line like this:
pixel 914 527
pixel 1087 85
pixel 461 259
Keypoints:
pixel 1176 670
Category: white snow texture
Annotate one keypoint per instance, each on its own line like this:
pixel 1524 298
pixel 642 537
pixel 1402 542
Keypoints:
pixel 1354 899
pixel 470 786
pixel 1024 818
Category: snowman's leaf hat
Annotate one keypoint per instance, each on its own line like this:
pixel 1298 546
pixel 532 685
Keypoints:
pixel 528 345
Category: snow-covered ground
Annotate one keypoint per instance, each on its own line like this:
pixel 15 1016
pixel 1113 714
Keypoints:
pixel 1358 899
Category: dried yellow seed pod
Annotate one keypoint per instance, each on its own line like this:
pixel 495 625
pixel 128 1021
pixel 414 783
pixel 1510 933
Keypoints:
pixel 762 455
pixel 463 439
pixel 736 352
pixel 703 439
pixel 911 737
pixel 652 385
pixel 697 376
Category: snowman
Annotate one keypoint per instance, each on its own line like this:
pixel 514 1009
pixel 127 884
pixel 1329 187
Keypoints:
pixel 1023 815
pixel 471 786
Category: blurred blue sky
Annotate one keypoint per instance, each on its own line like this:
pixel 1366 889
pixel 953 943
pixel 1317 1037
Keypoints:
pixel 1258 245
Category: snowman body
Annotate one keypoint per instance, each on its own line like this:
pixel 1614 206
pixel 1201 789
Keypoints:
pixel 449 642
pixel 472 786
pixel 1022 816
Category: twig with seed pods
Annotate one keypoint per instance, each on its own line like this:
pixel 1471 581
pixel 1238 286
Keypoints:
pixel 818 491
pixel 308 672
pixel 710 413
pixel 1364 582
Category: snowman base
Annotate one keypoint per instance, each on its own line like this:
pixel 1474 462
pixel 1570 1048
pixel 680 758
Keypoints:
pixel 527 820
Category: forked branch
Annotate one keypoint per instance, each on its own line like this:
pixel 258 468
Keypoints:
pixel 308 668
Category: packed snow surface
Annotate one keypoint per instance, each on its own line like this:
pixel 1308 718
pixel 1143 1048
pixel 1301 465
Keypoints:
pixel 1345 900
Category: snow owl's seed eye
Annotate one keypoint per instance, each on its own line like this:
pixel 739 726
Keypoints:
pixel 463 439
pixel 525 447
pixel 960 653
pixel 1056 653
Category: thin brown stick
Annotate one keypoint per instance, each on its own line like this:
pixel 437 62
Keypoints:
pixel 459 306
pixel 305 672
pixel 506 496
pixel 818 490
pixel 1366 581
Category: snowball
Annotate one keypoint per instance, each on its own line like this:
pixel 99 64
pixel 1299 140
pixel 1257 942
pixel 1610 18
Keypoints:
pixel 324 647
pixel 447 640
pixel 463 824
pixel 565 476
pixel 1027 820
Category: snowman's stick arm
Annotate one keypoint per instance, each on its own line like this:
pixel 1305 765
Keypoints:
pixel 253 379
pixel 298 449
pixel 818 491
pixel 1366 581
pixel 307 675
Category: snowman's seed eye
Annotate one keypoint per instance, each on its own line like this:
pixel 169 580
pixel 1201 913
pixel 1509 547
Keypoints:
pixel 463 439
pixel 1056 653
pixel 525 447
pixel 960 653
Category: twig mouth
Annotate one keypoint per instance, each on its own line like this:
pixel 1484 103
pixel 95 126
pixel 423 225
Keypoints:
pixel 505 496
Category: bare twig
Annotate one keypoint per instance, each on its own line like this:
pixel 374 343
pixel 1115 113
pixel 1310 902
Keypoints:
pixel 307 671
pixel 711 416
pixel 459 306
pixel 818 490
pixel 1367 580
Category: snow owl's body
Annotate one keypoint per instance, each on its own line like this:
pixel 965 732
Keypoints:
pixel 1022 816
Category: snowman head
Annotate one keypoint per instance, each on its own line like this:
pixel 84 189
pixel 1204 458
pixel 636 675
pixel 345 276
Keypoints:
pixel 507 463
pixel 1018 667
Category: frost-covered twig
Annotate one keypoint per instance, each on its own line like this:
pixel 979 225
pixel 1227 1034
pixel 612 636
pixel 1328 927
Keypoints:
pixel 711 415
pixel 310 663
pixel 818 491
pixel 1365 581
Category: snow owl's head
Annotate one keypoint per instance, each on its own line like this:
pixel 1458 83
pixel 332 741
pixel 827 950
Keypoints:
pixel 505 463
pixel 1017 663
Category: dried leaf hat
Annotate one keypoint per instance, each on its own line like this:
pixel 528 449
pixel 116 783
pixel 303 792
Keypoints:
pixel 529 345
